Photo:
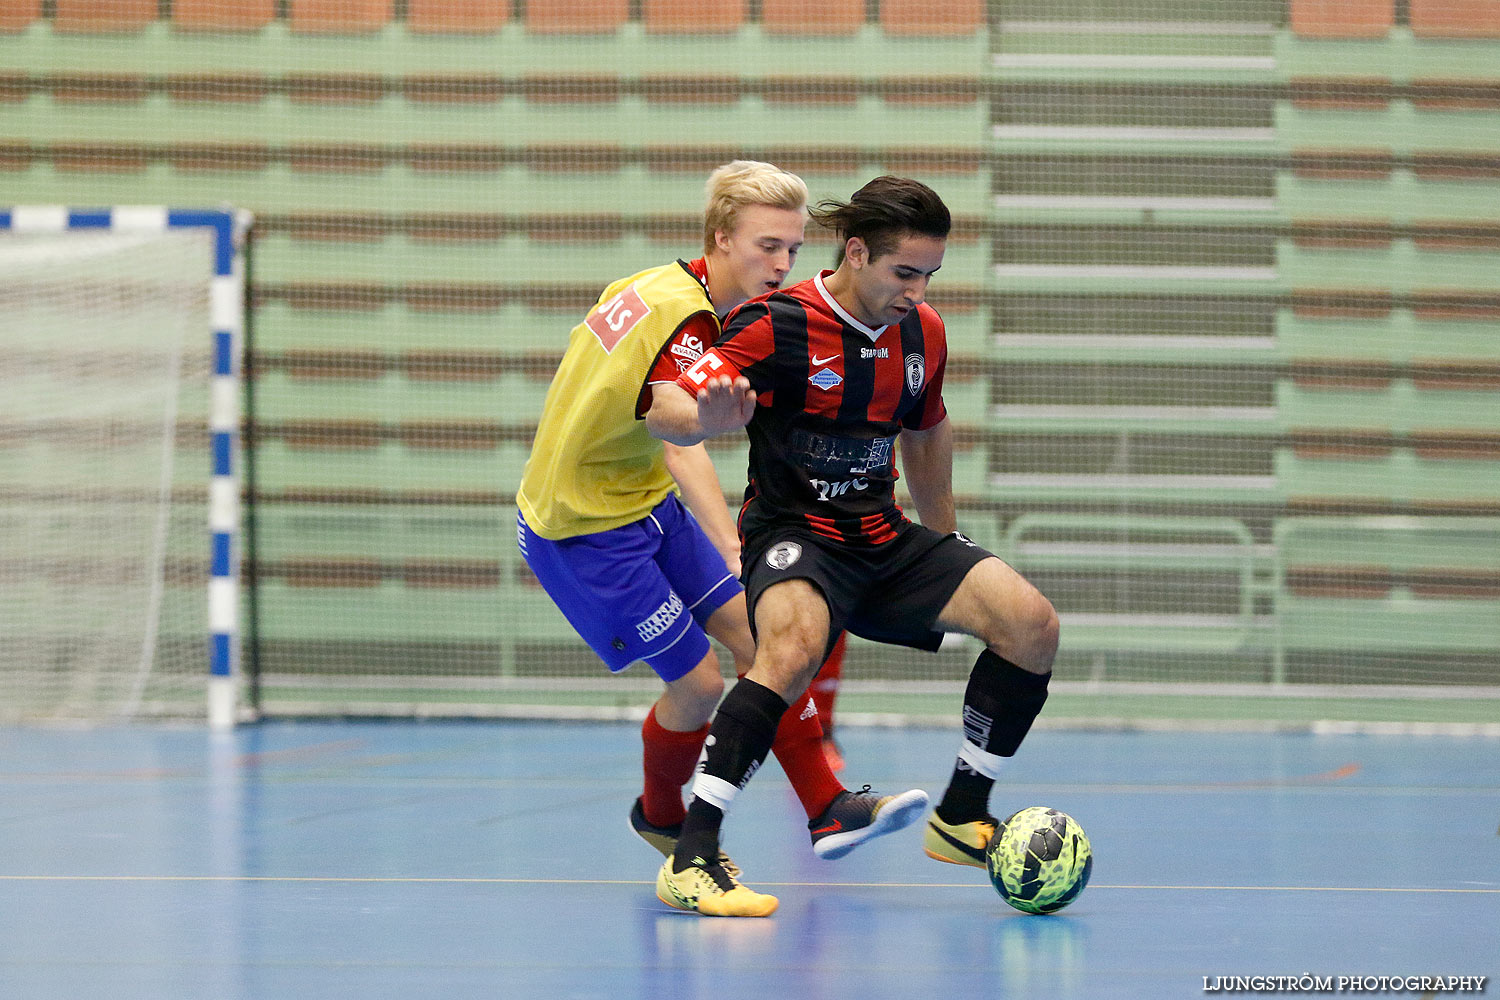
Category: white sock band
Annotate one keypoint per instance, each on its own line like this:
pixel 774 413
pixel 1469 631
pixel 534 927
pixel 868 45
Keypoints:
pixel 715 791
pixel 987 764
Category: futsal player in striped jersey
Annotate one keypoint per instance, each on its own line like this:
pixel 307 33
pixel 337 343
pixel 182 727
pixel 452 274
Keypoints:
pixel 828 376
pixel 640 573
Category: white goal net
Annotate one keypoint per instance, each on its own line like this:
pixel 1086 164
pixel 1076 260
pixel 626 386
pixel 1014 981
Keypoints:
pixel 104 471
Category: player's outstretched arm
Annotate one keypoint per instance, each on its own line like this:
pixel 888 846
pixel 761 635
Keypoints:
pixel 724 404
pixel 698 482
pixel 927 464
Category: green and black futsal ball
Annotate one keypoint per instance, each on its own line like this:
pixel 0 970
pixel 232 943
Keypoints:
pixel 1039 860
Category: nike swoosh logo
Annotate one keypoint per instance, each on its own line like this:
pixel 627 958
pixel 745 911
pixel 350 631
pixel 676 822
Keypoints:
pixel 837 824
pixel 977 855
pixel 823 361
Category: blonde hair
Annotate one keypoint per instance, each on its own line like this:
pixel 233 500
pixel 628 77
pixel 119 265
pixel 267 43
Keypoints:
pixel 742 183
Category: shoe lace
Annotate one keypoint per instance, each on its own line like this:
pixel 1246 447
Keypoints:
pixel 716 871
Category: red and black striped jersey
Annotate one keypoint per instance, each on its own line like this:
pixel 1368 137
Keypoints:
pixel 831 396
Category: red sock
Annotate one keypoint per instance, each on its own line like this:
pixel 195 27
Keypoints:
pixel 799 748
pixel 669 759
pixel 825 687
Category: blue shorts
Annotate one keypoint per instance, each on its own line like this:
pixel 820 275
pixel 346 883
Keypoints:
pixel 641 592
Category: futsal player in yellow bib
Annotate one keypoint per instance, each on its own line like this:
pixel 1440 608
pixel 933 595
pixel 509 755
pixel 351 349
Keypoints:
pixel 633 541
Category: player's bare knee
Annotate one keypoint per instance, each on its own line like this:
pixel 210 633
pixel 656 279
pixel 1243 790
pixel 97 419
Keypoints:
pixel 788 665
pixel 708 685
pixel 693 697
pixel 1047 631
pixel 1024 631
pixel 1035 630
pixel 793 624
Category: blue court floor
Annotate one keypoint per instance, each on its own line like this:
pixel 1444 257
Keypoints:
pixel 456 860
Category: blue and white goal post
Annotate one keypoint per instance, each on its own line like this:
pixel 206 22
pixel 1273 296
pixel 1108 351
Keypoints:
pixel 150 260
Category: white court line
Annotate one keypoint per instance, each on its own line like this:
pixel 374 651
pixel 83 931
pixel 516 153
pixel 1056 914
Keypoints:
pixel 439 880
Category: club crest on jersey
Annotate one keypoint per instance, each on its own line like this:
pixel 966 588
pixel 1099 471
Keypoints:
pixel 783 554
pixel 826 379
pixel 916 374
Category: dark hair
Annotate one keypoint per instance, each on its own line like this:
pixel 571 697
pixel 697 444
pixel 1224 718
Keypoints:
pixel 883 212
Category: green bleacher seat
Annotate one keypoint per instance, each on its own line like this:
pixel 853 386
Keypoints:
pixel 1211 490
pixel 514 329
pixel 970 332
pixel 1375 470
pixel 971 470
pixel 1397 404
pixel 423 474
pixel 1401 55
pixel 1386 585
pixel 966 394
pixel 1402 267
pixel 591 258
pixel 1133 582
pixel 1397 336
pixel 511 397
pixel 1430 186
pixel 392 612
pixel 1402 127
pixel 296 173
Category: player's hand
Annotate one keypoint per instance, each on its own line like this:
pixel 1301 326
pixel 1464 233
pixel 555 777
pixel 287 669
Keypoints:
pixel 725 404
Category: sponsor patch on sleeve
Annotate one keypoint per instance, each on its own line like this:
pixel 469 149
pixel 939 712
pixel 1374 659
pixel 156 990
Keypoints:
pixel 687 350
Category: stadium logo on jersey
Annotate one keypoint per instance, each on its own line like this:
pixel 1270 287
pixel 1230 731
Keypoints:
pixel 874 352
pixel 783 554
pixel 661 619
pixel 916 374
pixel 826 378
pixel 612 320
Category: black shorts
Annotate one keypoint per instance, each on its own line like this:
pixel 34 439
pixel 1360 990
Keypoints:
pixel 890 593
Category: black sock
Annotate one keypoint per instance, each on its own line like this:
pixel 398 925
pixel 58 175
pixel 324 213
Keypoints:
pixel 737 744
pixel 967 797
pixel 1001 702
